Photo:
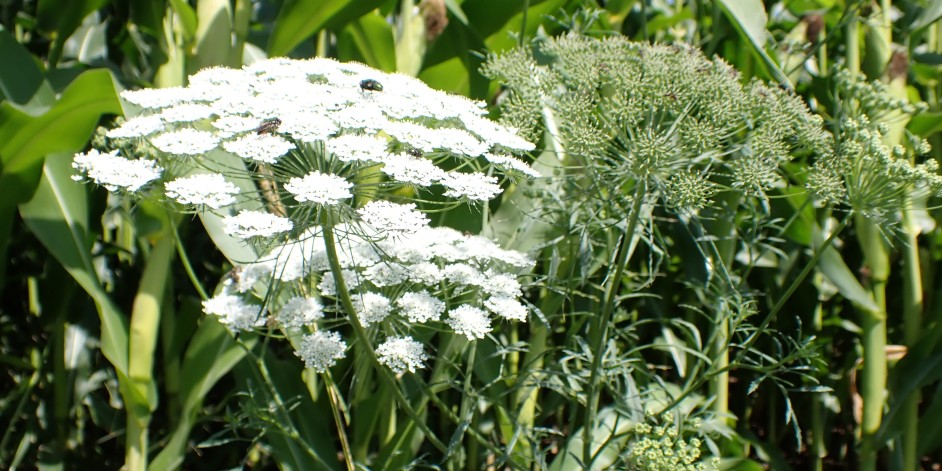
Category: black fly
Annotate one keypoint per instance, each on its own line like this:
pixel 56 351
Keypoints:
pixel 370 85
pixel 269 126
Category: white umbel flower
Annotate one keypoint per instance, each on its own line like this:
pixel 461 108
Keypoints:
pixel 319 188
pixel 233 124
pixel 255 224
pixel 137 127
pixel 402 354
pixel 352 147
pixel 472 186
pixel 186 113
pixel 114 172
pixel 234 312
pixel 185 142
pixel 209 189
pixel 512 164
pixel 507 307
pixel 420 306
pixel 469 321
pixel 371 307
pixel 300 311
pixel 156 98
pixel 259 147
pixel 321 350
pixel 416 171
pixel 393 218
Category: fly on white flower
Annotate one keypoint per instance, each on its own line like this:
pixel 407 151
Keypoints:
pixel 316 148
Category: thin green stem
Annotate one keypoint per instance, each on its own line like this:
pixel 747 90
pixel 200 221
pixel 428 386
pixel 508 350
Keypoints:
pixel 334 395
pixel 185 260
pixel 360 332
pixel 792 288
pixel 601 328
pixel 747 344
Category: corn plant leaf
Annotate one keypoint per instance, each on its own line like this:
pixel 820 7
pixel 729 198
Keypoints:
pixel 833 266
pixel 750 19
pixel 300 19
pixel 58 216
pixel 212 353
pixel 368 39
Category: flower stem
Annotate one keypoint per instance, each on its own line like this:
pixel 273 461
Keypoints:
pixel 360 332
pixel 335 406
pixel 601 328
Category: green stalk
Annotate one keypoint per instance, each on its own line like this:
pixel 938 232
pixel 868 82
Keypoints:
pixel 912 324
pixel 719 383
pixel 852 55
pixel 140 394
pixel 817 444
pixel 363 337
pixel 333 393
pixel 912 279
pixel 241 19
pixel 723 256
pixel 873 341
pixel 600 330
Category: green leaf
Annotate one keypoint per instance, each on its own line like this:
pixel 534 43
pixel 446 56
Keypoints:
pixel 930 14
pixel 300 19
pixel 187 18
pixel 368 39
pixel 913 373
pixel 833 267
pixel 213 35
pixel 926 124
pixel 62 18
pixel 750 19
pixel 235 249
pixel 20 78
pixel 58 216
pixel 211 355
pixel 25 140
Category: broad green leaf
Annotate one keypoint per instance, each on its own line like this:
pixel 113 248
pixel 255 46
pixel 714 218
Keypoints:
pixel 750 19
pixel 58 216
pixel 213 35
pixel 930 14
pixel 62 18
pixel 20 78
pixel 504 35
pixel 832 266
pixel 186 18
pixel 930 428
pixel 926 124
pixel 25 140
pixel 235 249
pixel 611 434
pixel 913 373
pixel 309 421
pixel 301 19
pixel 518 224
pixel 212 353
pixel 368 39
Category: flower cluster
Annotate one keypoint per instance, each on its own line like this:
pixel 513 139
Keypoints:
pixel 400 278
pixel 282 148
pixel 862 172
pixel 270 111
pixel 662 447
pixel 631 112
